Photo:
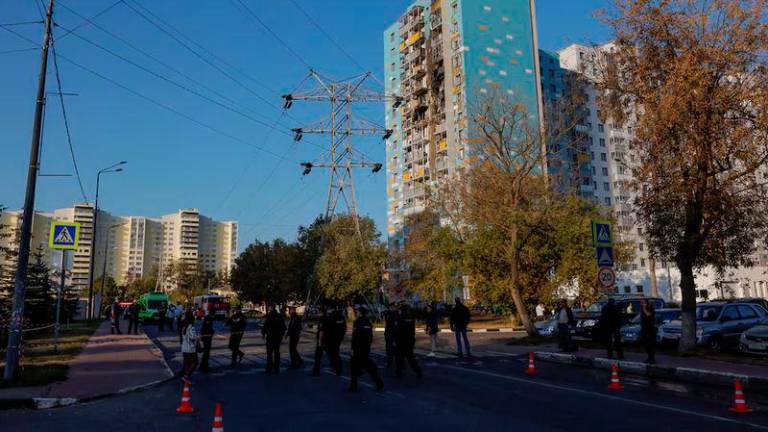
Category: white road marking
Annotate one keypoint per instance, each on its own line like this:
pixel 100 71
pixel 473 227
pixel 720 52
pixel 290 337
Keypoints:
pixel 606 396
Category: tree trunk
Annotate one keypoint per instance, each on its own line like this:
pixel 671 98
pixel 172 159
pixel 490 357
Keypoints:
pixel 688 306
pixel 522 312
pixel 654 282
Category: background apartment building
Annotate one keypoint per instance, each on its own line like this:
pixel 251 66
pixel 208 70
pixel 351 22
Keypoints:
pixel 438 56
pixel 129 247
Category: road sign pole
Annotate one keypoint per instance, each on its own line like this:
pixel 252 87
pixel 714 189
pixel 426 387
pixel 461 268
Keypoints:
pixel 59 294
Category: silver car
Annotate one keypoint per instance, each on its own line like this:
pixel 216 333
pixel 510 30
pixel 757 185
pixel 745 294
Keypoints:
pixel 755 340
pixel 630 333
pixel 718 324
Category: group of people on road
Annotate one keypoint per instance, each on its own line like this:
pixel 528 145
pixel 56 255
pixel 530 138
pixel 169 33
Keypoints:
pixel 114 312
pixel 612 317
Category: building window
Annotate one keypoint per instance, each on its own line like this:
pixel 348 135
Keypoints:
pixel 642 262
pixel 639 289
pixel 606 186
pixel 601 128
pixel 605 171
pixel 602 142
pixel 641 246
pixel 603 157
pixel 607 201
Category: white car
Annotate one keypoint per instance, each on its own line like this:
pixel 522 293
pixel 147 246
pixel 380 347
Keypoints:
pixel 755 340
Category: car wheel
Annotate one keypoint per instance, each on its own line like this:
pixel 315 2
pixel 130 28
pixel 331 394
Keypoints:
pixel 715 344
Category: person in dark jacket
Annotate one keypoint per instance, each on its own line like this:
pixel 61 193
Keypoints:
pixel 565 320
pixel 321 338
pixel 115 312
pixel 206 336
pixel 610 324
pixel 294 334
pixel 648 329
pixel 431 328
pixel 133 317
pixel 362 337
pixel 405 340
pixel 273 331
pixel 161 319
pixel 390 323
pixel 237 323
pixel 339 330
pixel 459 322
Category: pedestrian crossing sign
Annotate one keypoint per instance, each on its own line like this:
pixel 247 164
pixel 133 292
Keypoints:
pixel 64 235
pixel 601 233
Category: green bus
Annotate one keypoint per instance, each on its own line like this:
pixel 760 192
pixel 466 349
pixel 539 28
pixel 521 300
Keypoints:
pixel 151 304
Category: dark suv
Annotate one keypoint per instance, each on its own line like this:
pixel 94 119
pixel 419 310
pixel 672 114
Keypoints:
pixel 590 317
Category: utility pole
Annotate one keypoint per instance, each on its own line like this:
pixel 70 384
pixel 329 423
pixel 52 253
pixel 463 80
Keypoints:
pixel 20 280
pixel 341 158
pixel 59 294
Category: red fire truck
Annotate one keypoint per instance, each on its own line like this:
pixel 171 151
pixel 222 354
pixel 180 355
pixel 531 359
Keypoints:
pixel 216 304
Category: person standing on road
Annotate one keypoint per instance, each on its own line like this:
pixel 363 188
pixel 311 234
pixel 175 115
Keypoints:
pixel 459 322
pixel 206 334
pixel 294 333
pixel 648 329
pixel 161 318
pixel 390 321
pixel 565 321
pixel 323 334
pixel 610 324
pixel 237 323
pixel 133 317
pixel 180 313
pixel 115 315
pixel 189 347
pixel 362 337
pixel 171 315
pixel 339 331
pixel 273 331
pixel 431 328
pixel 405 341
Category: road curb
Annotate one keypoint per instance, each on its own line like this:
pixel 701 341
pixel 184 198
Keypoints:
pixel 41 403
pixel 691 375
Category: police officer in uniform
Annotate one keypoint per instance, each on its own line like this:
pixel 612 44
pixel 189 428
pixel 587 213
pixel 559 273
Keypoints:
pixel 322 336
pixel 206 335
pixel 339 331
pixel 237 323
pixel 273 331
pixel 294 333
pixel 362 337
pixel 405 341
pixel 390 323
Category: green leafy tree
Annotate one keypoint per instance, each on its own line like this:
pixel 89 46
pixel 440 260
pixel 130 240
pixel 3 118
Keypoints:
pixel 351 264
pixel 41 293
pixel 273 272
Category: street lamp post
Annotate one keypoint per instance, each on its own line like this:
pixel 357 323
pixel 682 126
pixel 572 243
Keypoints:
pixel 109 169
pixel 106 255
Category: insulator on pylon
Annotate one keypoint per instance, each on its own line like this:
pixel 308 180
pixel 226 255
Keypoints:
pixel 377 167
pixel 288 101
pixel 297 134
pixel 387 134
pixel 307 167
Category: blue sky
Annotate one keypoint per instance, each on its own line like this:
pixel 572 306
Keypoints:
pixel 174 163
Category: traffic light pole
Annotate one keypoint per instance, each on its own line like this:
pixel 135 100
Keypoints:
pixel 20 279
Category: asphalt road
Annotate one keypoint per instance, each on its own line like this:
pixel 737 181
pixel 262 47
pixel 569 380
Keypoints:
pixel 487 392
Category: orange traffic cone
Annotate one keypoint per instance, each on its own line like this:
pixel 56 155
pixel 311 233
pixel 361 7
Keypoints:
pixel 531 367
pixel 739 404
pixel 615 382
pixel 218 421
pixel 186 401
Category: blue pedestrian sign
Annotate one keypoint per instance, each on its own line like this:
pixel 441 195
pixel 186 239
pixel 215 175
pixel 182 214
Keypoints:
pixel 604 256
pixel 64 235
pixel 601 233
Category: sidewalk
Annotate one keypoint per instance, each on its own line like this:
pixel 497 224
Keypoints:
pixel 108 364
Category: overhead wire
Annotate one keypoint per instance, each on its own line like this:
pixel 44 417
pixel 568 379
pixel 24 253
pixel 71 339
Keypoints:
pixel 66 119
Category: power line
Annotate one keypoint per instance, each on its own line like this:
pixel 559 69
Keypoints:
pixel 87 20
pixel 66 120
pixel 169 108
pixel 277 38
pixel 22 23
pixel 19 50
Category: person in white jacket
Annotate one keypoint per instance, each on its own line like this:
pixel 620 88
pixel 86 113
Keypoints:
pixel 189 342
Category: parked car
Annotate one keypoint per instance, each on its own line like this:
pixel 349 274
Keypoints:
pixel 718 324
pixel 587 319
pixel 630 333
pixel 755 340
pixel 547 328
pixel 763 303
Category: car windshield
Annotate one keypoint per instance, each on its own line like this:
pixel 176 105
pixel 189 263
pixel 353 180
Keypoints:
pixel 708 313
pixel 595 307
pixel 667 316
pixel 157 304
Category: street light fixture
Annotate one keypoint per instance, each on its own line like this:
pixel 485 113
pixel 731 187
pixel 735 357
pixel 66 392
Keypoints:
pixel 110 169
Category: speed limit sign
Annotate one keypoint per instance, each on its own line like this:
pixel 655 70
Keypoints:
pixel 606 276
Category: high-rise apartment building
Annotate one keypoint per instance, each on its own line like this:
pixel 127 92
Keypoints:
pixel 129 247
pixel 439 56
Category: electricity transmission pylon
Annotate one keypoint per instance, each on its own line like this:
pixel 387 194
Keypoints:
pixel 341 158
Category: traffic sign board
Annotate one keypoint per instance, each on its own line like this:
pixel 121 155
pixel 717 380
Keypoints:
pixel 601 233
pixel 604 256
pixel 64 235
pixel 606 276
